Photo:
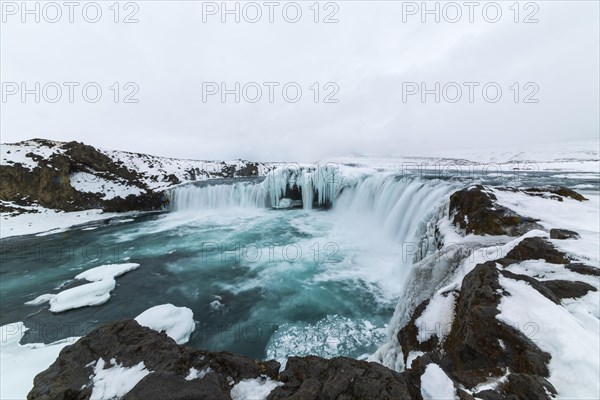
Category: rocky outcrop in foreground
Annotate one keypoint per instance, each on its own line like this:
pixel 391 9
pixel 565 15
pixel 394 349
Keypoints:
pixel 69 377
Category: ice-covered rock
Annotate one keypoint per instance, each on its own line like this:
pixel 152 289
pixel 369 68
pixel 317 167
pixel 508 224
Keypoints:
pixel 177 322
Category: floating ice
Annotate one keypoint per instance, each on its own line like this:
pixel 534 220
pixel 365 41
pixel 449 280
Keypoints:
pixel 90 294
pixel 107 271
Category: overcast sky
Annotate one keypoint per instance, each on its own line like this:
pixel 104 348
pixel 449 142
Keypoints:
pixel 373 59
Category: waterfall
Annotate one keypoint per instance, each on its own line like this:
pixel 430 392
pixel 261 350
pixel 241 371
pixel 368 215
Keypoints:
pixel 226 195
pixel 306 186
pixel 397 203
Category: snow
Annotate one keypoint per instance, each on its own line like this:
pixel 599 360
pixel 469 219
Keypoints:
pixel 177 322
pixel 44 298
pixel 115 381
pixel 19 364
pixel 579 156
pixel 579 216
pixel 254 389
pixel 109 271
pixel 572 344
pixel 13 153
pixel 195 374
pixel 90 183
pixel 437 318
pixel 47 220
pixel 435 384
pixel 155 170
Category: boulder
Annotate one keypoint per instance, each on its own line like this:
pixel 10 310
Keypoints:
pixel 534 248
pixel 563 234
pixel 475 210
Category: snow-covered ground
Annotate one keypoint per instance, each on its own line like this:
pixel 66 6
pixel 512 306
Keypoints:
pixel 581 156
pixel 90 183
pixel 13 153
pixel 45 221
pixel 19 364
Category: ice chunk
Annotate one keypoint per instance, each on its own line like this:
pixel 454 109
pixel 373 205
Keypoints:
pixel 44 298
pixel 177 322
pixel 90 294
pixel 107 271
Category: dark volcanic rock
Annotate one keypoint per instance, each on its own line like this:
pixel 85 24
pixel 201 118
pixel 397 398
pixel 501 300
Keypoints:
pixel 534 248
pixel 129 343
pixel 534 283
pixel 475 210
pixel 583 269
pixel 556 190
pixel 569 289
pixel 563 234
pixel 316 378
pixel 69 376
pixel 167 385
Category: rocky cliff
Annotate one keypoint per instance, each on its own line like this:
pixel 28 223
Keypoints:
pixel 73 176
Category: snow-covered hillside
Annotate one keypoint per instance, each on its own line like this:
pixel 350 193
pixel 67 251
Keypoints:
pixel 50 185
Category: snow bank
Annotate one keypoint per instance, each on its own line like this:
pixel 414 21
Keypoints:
pixel 109 271
pixel 177 322
pixel 116 381
pixel 254 389
pixel 574 349
pixel 435 384
pixel 46 220
pixel 19 364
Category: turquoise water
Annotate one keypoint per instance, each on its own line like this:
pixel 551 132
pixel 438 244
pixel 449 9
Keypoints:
pixel 245 274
